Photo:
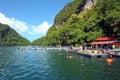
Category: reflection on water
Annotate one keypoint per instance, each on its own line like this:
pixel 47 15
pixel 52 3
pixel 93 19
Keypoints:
pixel 29 64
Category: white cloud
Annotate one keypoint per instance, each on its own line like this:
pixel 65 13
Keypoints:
pixel 23 28
pixel 19 26
pixel 40 29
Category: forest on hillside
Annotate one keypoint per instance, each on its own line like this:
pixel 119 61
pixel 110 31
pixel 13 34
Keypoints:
pixel 76 26
pixel 9 37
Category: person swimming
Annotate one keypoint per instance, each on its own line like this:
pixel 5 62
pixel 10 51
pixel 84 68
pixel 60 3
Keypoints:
pixel 69 57
pixel 110 60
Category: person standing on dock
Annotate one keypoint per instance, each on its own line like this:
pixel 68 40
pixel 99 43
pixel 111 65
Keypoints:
pixel 107 51
pixel 83 47
pixel 113 46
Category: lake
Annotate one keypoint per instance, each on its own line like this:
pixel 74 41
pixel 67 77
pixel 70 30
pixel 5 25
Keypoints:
pixel 31 64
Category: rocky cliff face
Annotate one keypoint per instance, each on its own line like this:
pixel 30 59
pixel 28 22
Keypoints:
pixel 82 21
pixel 89 4
pixel 71 8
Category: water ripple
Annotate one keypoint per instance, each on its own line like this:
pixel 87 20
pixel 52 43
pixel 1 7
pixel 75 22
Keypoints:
pixel 53 65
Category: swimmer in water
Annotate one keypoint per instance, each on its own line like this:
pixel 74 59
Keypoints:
pixel 68 57
pixel 110 60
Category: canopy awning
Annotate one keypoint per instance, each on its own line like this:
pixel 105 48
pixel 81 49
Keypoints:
pixel 104 42
pixel 106 39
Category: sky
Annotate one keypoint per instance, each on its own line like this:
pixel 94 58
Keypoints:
pixel 30 18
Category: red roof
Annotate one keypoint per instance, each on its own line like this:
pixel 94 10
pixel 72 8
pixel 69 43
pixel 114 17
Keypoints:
pixel 106 39
pixel 104 42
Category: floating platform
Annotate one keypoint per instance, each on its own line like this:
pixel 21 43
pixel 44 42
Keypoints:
pixel 115 52
pixel 116 55
pixel 92 55
pixel 89 53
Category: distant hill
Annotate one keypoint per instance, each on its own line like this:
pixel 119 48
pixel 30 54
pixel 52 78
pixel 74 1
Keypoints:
pixel 9 37
pixel 82 21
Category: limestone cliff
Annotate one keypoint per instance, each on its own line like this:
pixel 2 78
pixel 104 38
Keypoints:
pixel 73 7
pixel 82 21
pixel 89 4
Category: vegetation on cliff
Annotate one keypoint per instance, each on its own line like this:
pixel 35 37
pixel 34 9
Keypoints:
pixel 76 26
pixel 9 37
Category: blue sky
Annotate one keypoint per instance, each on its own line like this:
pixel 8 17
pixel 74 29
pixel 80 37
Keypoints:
pixel 30 18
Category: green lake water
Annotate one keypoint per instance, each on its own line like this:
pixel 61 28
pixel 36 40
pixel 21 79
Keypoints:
pixel 30 64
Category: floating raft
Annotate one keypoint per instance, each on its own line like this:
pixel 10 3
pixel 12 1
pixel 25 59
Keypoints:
pixel 96 53
pixel 90 53
pixel 116 55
